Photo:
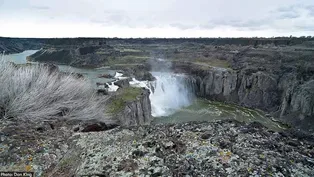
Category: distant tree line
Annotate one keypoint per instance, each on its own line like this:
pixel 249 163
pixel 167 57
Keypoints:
pixel 254 41
pixel 207 41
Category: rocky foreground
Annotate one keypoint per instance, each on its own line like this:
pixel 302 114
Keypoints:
pixel 195 149
pixel 224 148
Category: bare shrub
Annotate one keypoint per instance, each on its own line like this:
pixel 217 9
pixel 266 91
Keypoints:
pixel 32 92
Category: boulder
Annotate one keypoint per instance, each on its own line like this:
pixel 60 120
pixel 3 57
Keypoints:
pixel 102 91
pixel 108 76
pixel 123 83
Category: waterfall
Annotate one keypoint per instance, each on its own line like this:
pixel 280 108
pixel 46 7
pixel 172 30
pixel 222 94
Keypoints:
pixel 169 92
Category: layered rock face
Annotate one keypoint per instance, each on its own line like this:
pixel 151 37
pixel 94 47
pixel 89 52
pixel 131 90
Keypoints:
pixel 73 55
pixel 17 45
pixel 298 104
pixel 292 103
pixel 278 85
pixel 257 90
pixel 136 112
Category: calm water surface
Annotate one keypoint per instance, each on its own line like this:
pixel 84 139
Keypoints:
pixel 91 74
pixel 205 110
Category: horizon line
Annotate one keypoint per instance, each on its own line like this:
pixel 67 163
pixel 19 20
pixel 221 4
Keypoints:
pixel 258 37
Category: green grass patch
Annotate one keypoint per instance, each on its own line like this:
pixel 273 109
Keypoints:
pixel 102 52
pixel 214 63
pixel 128 59
pixel 134 58
pixel 130 50
pixel 125 95
pixel 206 63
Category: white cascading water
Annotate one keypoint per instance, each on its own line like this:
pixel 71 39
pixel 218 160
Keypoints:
pixel 168 93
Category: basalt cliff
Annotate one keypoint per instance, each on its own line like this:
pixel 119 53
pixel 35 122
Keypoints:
pixel 278 81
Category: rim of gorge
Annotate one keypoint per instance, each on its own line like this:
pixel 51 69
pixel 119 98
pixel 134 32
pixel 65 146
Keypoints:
pixel 224 95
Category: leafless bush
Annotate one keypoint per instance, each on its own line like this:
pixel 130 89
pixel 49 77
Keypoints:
pixel 32 92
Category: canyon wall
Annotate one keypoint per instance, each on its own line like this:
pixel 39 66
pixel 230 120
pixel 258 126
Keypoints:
pixel 286 97
pixel 137 111
pixel 90 56
pixel 17 45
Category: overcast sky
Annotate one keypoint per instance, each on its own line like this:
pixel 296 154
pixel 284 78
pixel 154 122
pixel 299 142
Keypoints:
pixel 156 18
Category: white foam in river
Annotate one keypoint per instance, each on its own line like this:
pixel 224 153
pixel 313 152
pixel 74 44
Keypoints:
pixel 117 75
pixel 136 83
pixel 112 87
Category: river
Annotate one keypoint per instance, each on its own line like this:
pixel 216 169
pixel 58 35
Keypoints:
pixel 91 74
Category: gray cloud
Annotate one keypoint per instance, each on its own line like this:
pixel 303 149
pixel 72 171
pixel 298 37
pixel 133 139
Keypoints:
pixel 40 7
pixel 256 24
pixel 305 27
pixel 285 9
pixel 184 15
pixel 288 15
pixel 270 21
pixel 112 18
pixel 310 10
pixel 182 26
pixel 98 21
pixel 288 12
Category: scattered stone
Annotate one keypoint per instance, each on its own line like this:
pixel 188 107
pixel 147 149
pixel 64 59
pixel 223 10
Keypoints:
pixel 76 129
pixel 126 152
pixel 205 135
pixel 108 76
pixel 128 165
pixel 293 143
pixel 102 92
pixel 169 144
pixel 227 151
pixel 224 144
pixel 138 153
pixel 96 127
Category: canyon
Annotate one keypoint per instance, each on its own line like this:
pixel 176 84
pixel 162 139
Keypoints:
pixel 272 76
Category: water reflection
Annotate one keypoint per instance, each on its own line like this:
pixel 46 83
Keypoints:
pixel 205 110
pixel 91 74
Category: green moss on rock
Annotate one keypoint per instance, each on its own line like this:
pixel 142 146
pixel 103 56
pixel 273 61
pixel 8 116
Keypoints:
pixel 124 95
